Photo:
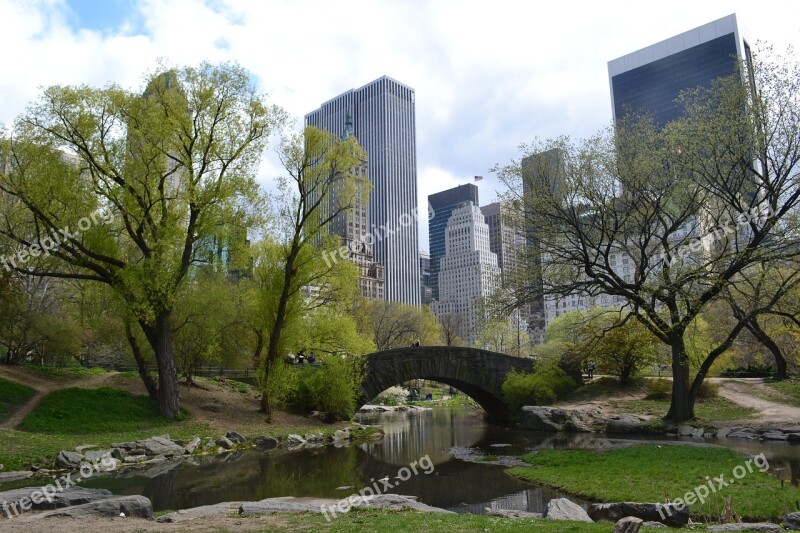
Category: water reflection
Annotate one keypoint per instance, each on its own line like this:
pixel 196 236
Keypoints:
pixel 456 485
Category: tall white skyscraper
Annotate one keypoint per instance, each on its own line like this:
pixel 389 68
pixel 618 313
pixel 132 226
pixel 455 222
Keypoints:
pixel 467 271
pixel 383 120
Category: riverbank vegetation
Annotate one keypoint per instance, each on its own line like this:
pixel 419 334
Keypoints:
pixel 652 473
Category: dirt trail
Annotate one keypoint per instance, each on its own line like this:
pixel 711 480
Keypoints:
pixel 43 385
pixel 740 391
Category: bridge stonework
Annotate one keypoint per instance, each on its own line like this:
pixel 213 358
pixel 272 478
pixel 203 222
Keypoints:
pixel 477 373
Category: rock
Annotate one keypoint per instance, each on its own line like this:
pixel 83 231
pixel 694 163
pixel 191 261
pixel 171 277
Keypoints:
pixel 95 456
pixel 217 509
pixel 212 407
pixel 290 504
pixel 793 437
pixel 723 433
pixel 511 513
pixel 125 445
pixel 653 524
pixel 685 431
pixel 667 513
pixel 697 432
pixel 131 506
pixel 760 526
pixel 192 445
pixel 67 459
pixel 314 437
pixel 774 435
pixel 119 453
pixel 160 446
pixel 83 448
pixel 792 521
pixel 564 509
pixel 625 424
pixel 266 443
pixel 209 442
pixel 238 438
pixel 225 442
pixel 629 524
pixel 541 418
pixel 341 434
pixel 295 440
pixel 135 459
pixel 55 500
pixel 15 476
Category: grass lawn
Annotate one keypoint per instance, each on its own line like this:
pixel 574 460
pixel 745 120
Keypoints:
pixel 652 474
pixel 706 411
pixel 790 389
pixel 599 389
pixel 12 395
pixel 374 520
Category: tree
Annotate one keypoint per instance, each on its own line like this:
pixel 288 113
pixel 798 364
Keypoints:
pixel 319 186
pixel 500 335
pixel 666 220
pixel 154 175
pixel 452 324
pixel 395 325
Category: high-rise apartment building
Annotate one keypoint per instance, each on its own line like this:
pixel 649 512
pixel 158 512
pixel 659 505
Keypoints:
pixel 650 80
pixel 468 270
pixel 441 206
pixel 384 123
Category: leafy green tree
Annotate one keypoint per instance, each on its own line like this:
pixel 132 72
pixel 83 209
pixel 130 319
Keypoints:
pixel 155 174
pixel 501 335
pixel 692 206
pixel 295 273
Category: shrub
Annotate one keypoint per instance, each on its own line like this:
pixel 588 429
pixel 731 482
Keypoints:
pixel 658 389
pixel 333 387
pixel 708 389
pixel 538 388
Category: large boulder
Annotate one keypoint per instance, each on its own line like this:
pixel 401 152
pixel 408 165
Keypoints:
pixel 564 509
pixel 192 445
pixel 160 446
pixel 130 506
pixel 67 459
pixel 266 443
pixel 225 443
pixel 541 418
pixel 39 500
pixel 792 521
pixel 668 513
pixel 629 524
pixel 238 438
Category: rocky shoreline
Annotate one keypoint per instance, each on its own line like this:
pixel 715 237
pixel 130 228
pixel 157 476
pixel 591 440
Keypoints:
pixel 593 420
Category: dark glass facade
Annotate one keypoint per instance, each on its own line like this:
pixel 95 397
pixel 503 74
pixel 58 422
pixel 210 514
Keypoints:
pixel 443 203
pixel 653 88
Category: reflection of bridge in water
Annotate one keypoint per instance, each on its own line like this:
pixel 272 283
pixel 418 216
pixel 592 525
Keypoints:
pixel 477 373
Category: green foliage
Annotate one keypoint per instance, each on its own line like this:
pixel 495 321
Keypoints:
pixel 75 411
pixel 658 389
pixel 650 474
pixel 708 389
pixel 541 387
pixel 501 335
pixel 396 325
pixel 12 395
pixel 333 386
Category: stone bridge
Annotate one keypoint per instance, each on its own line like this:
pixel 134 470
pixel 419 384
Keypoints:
pixel 477 373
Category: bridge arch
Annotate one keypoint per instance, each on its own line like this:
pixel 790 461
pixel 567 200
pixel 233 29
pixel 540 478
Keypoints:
pixel 477 373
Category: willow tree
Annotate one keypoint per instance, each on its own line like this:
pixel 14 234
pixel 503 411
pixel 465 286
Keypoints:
pixel 163 167
pixel 301 259
pixel 662 222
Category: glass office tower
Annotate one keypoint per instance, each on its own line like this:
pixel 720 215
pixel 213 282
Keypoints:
pixel 384 123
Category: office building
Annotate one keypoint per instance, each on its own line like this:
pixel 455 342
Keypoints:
pixel 441 206
pixel 425 277
pixel 383 121
pixel 651 79
pixel 468 270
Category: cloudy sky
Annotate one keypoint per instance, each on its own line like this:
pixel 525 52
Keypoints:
pixel 488 75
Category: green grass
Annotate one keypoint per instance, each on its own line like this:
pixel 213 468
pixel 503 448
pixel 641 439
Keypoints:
pixel 652 474
pixel 67 372
pixel 488 458
pixel 86 411
pixel 372 520
pixel 12 395
pixel 599 389
pixel 707 411
pixel 789 390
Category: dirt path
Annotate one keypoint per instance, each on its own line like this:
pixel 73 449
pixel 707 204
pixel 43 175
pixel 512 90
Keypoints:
pixel 741 391
pixel 43 385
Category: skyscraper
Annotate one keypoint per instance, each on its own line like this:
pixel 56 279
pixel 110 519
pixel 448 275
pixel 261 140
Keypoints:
pixel 468 270
pixel 384 123
pixel 442 205
pixel 650 80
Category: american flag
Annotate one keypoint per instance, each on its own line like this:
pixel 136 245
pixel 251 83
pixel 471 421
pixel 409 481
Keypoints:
pixel 478 178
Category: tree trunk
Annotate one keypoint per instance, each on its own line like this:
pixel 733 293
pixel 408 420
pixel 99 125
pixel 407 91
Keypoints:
pixel 144 373
pixel 681 406
pixel 159 334
pixel 764 338
pixel 266 407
